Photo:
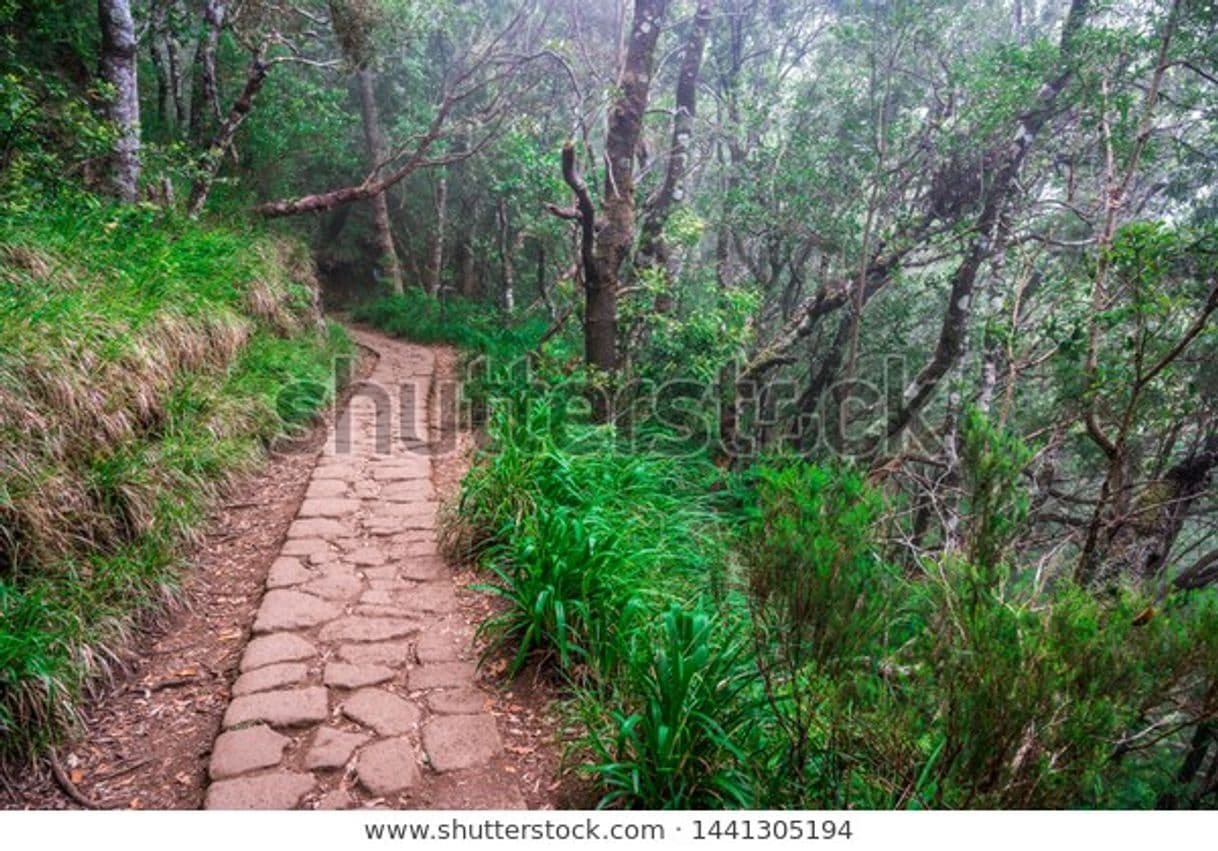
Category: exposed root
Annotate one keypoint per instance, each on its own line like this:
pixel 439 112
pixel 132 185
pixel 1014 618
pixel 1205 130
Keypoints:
pixel 69 788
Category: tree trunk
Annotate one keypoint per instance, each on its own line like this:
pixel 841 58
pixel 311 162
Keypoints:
pixel 467 275
pixel 616 232
pixel 159 53
pixel 955 320
pixel 606 240
pixel 167 19
pixel 1135 538
pixel 435 271
pixel 507 246
pixel 209 164
pixel 181 59
pixel 1113 508
pixel 653 250
pixel 118 68
pixel 376 155
pixel 205 106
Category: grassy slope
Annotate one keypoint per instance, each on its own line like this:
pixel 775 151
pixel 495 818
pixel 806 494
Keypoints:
pixel 143 362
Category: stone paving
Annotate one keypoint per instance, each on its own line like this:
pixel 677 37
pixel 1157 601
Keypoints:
pixel 358 687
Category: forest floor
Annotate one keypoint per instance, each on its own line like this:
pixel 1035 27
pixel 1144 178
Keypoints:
pixel 454 736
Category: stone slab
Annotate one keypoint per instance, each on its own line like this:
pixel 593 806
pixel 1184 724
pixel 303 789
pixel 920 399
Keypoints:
pixel 454 742
pixel 280 790
pixel 241 751
pixel 347 675
pixel 288 610
pixel 395 653
pixel 387 767
pixel 442 675
pixel 368 629
pixel 457 701
pixel 270 677
pixel 333 507
pixel 287 571
pixel 304 547
pixel 274 648
pixel 383 711
pixel 285 708
pixel 332 748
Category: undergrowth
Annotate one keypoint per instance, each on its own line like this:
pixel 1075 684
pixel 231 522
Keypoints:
pixel 747 639
pixel 470 325
pixel 143 362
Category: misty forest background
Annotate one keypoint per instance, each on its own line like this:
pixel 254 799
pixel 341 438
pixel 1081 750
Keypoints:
pixel 847 369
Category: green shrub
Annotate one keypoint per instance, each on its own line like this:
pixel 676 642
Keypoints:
pixel 1037 695
pixel 820 598
pixel 553 574
pixel 575 530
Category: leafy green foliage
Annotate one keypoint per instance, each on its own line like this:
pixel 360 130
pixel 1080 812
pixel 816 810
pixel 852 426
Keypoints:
pixel 666 732
pixel 996 505
pixel 816 674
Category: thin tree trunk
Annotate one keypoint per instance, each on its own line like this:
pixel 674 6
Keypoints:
pixel 376 155
pixel 507 246
pixel 542 290
pixel 180 61
pixel 724 271
pixel 955 319
pixel 467 277
pixel 205 107
pixel 435 271
pixel 653 250
pixel 118 68
pixel 172 63
pixel 158 51
pixel 209 164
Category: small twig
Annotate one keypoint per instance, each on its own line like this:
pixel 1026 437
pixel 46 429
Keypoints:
pixel 69 788
pixel 168 684
pixel 153 688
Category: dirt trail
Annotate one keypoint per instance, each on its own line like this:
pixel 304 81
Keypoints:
pixel 359 686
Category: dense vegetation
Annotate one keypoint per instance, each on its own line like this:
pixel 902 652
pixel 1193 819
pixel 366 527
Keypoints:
pixel 145 362
pixel 846 368
pixel 746 639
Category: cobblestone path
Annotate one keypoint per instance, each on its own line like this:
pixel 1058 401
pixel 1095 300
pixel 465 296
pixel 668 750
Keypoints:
pixel 358 688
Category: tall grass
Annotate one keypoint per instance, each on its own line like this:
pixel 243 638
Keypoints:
pixel 473 326
pixel 602 553
pixel 143 362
